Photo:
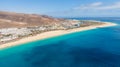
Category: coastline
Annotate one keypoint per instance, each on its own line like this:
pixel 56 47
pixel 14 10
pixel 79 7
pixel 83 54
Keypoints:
pixel 45 35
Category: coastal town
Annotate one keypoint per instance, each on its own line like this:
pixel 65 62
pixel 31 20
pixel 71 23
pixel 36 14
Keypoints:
pixel 16 26
pixel 9 34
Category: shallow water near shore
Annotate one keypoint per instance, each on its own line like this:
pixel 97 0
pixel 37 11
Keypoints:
pixel 93 48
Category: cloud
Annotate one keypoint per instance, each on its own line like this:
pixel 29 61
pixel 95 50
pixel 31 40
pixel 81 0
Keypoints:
pixel 88 6
pixel 99 9
pixel 98 6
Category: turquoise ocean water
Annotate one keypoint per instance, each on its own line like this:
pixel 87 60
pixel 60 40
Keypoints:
pixel 93 48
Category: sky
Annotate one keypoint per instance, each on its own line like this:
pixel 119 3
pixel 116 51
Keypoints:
pixel 64 8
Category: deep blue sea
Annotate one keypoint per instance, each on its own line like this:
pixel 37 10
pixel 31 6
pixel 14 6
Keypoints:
pixel 93 48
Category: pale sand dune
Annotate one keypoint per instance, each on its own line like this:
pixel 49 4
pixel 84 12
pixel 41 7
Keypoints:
pixel 53 34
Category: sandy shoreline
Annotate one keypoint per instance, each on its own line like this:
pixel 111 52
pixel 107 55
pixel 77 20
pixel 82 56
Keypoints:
pixel 53 34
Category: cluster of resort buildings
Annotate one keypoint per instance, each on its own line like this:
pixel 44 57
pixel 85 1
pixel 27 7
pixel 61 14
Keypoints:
pixel 8 34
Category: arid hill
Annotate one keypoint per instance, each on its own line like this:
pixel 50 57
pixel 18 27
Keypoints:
pixel 12 19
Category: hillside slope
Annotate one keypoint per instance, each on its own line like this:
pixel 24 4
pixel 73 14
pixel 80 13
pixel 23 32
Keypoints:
pixel 12 19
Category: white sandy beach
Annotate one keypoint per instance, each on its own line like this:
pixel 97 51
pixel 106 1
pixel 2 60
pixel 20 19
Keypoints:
pixel 53 34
